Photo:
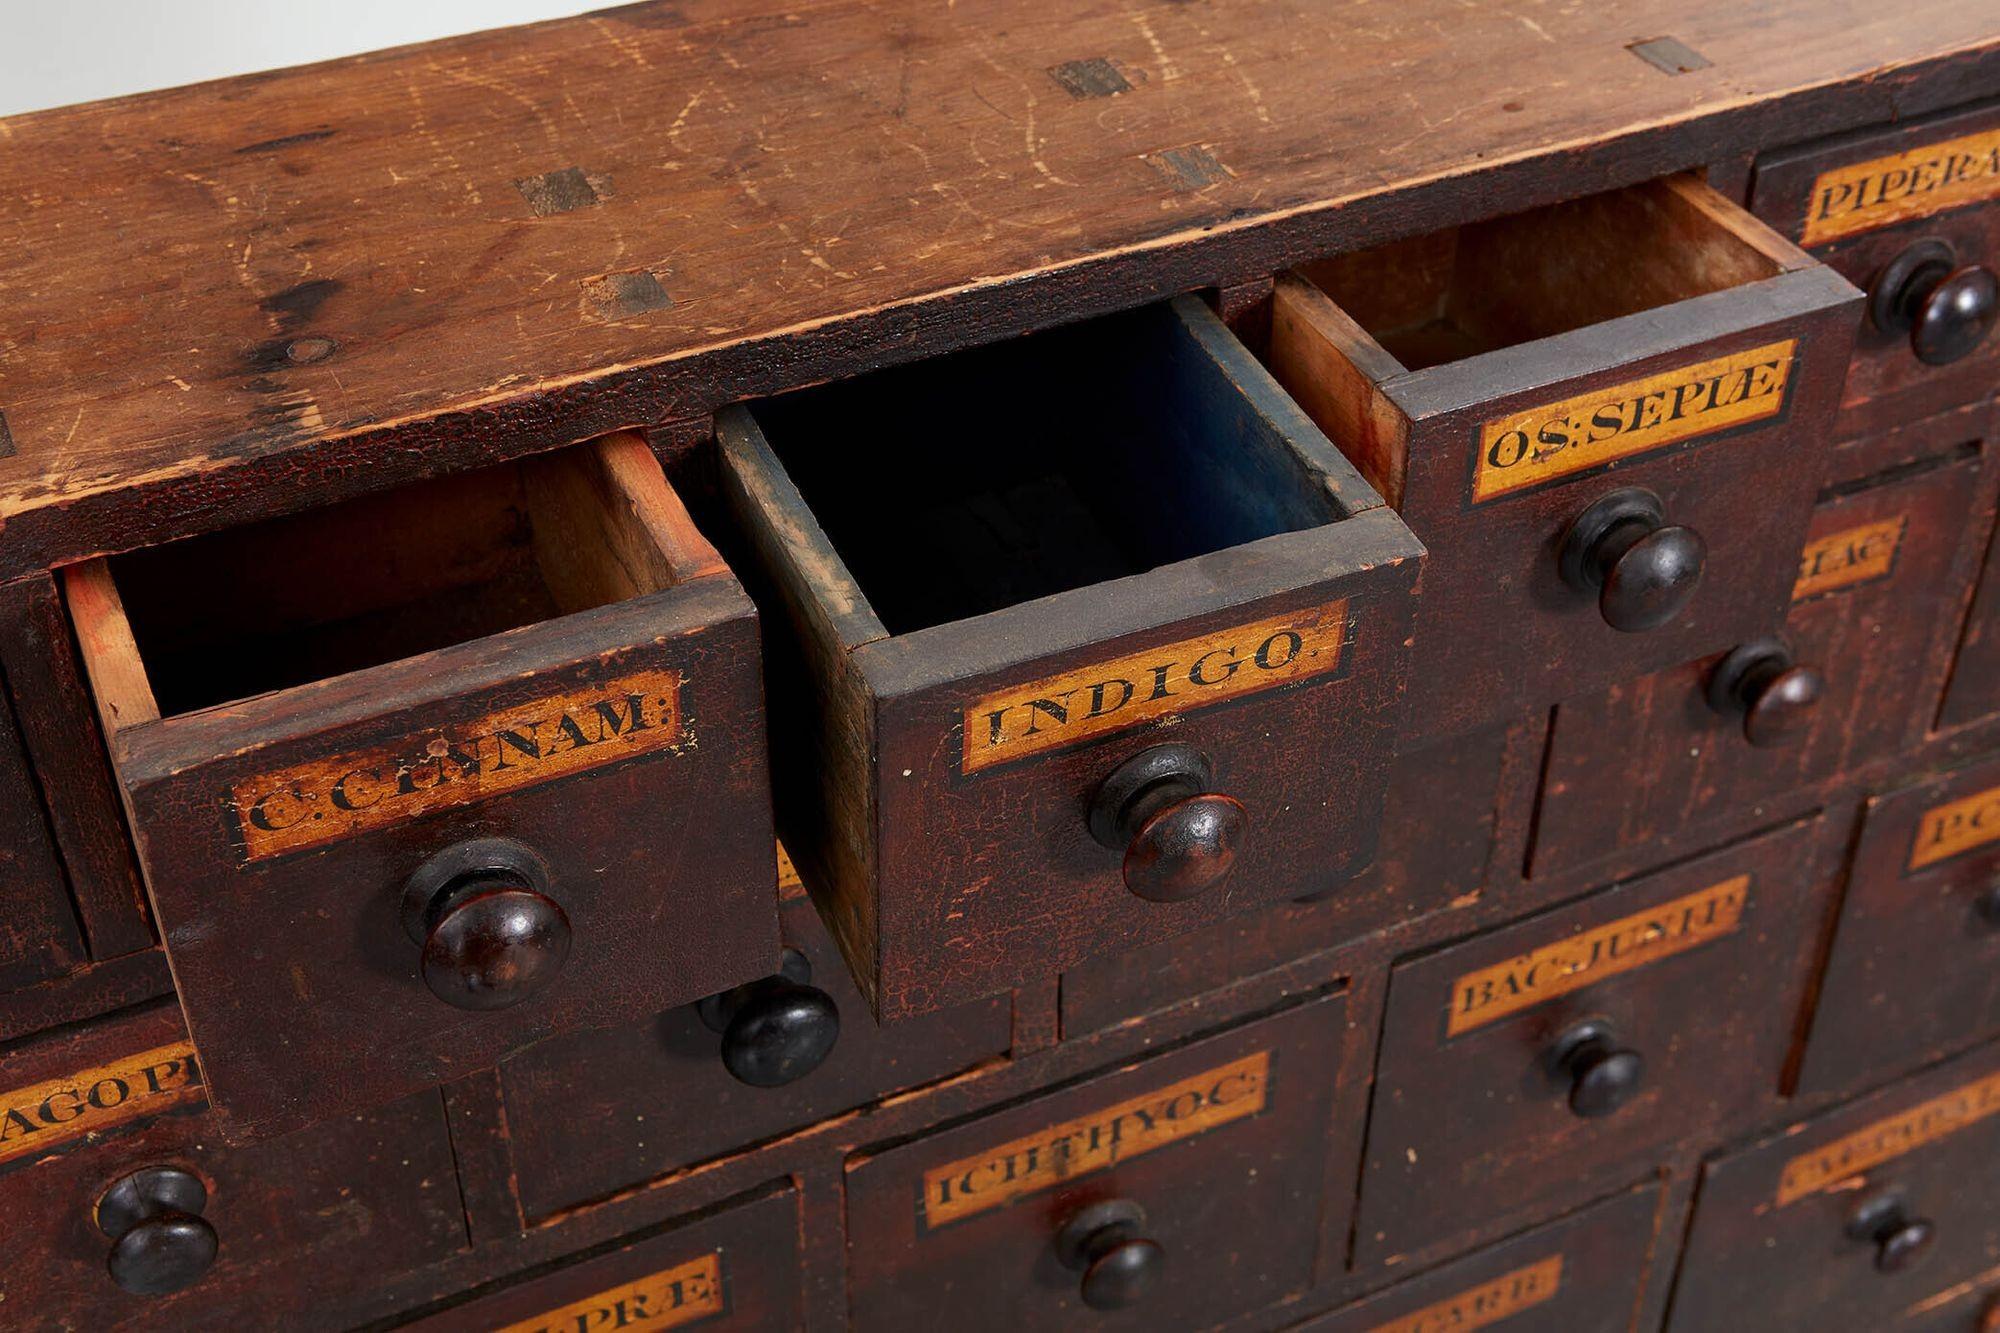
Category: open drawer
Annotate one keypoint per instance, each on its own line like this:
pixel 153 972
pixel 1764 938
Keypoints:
pixel 426 776
pixel 1606 419
pixel 1094 639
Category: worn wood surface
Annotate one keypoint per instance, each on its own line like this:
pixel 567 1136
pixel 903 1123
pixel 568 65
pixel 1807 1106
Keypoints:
pixel 236 299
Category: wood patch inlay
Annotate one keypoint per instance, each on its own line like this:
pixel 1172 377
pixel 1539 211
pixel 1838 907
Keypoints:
pixel 1493 993
pixel 1889 1138
pixel 1592 430
pixel 1955 828
pixel 1141 687
pixel 1488 1303
pixel 1915 184
pixel 326 800
pixel 41 1115
pixel 1860 554
pixel 679 1295
pixel 1095 1142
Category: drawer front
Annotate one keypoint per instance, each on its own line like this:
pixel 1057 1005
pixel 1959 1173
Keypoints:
pixel 736 1268
pixel 1973 692
pixel 1863 204
pixel 39 938
pixel 1579 1275
pixel 1915 968
pixel 343 1205
pixel 583 1111
pixel 1561 1054
pixel 1876 601
pixel 1830 1215
pixel 1422 865
pixel 1196 1177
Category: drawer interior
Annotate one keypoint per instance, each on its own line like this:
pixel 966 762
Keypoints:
pixel 998 475
pixel 1458 293
pixel 275 604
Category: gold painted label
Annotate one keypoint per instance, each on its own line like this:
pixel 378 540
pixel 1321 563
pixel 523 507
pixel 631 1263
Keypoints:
pixel 42 1115
pixel 1488 1303
pixel 1557 440
pixel 1889 1138
pixel 788 874
pixel 1859 554
pixel 1955 828
pixel 662 1300
pixel 1141 687
pixel 1492 993
pixel 1901 186
pixel 326 800
pixel 1097 1141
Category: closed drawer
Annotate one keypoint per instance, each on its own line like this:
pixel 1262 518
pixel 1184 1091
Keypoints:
pixel 1915 968
pixel 1180 1190
pixel 1719 744
pixel 424 777
pixel 1604 420
pixel 1430 859
pixel 594 1112
pixel 1524 1069
pixel 1911 213
pixel 1075 697
pixel 39 936
pixel 295 1232
pixel 1579 1275
pixel 734 1268
pixel 1876 1214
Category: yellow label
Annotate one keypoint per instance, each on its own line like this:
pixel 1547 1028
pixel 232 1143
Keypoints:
pixel 664 1300
pixel 1140 687
pixel 1096 1141
pixel 1955 828
pixel 42 1115
pixel 1889 1138
pixel 788 874
pixel 1488 1303
pixel 1556 440
pixel 1915 184
pixel 329 799
pixel 1492 993
pixel 1859 554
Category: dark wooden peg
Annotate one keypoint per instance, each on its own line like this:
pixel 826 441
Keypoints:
pixel 1642 568
pixel 1900 1240
pixel 1106 1242
pixel 1179 837
pixel 491 935
pixel 160 1242
pixel 1761 682
pixel 1945 307
pixel 1602 1075
pixel 777 1029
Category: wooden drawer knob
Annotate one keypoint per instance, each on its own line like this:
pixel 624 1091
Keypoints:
pixel 1946 308
pixel 159 1240
pixel 1179 838
pixel 1106 1242
pixel 1762 683
pixel 775 1030
pixel 491 935
pixel 1602 1075
pixel 1642 568
pixel 1899 1239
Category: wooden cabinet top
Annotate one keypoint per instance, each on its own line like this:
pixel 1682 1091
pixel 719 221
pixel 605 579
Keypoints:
pixel 241 298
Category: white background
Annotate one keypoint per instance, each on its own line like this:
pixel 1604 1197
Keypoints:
pixel 53 52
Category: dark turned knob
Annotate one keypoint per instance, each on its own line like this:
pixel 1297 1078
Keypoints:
pixel 1899 1239
pixel 775 1030
pixel 1946 308
pixel 491 934
pixel 1775 696
pixel 159 1241
pixel 1602 1075
pixel 1106 1242
pixel 1642 568
pixel 1179 838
